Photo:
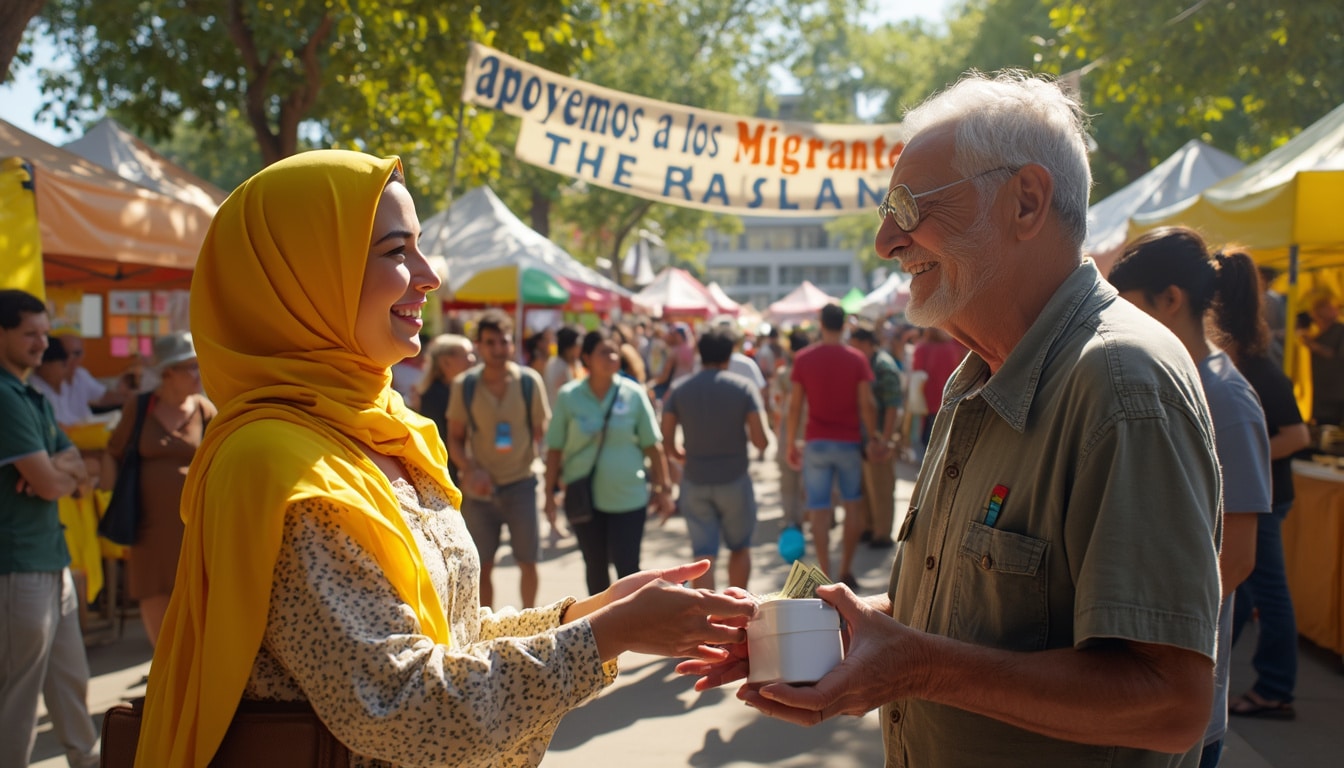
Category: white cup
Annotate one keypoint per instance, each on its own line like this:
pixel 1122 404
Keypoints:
pixel 793 641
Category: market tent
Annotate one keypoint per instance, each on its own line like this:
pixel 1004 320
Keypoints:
pixel 100 231
pixel 676 293
pixel 801 305
pixel 889 297
pixel 110 145
pixel 851 302
pixel 1288 199
pixel 727 305
pixel 1192 169
pixel 1284 209
pixel 493 257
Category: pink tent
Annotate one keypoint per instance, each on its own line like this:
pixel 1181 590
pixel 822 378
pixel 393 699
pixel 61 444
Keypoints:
pixel 800 306
pixel 726 304
pixel 676 292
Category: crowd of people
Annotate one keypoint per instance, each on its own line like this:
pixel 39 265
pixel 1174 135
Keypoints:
pixel 1104 472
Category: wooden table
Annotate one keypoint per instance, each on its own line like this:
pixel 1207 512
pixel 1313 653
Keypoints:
pixel 1313 548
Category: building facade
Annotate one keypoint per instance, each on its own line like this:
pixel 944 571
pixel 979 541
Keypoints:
pixel 772 256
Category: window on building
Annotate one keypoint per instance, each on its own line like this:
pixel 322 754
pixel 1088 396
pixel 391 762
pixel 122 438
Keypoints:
pixel 724 276
pixel 719 241
pixel 811 238
pixel 817 274
pixel 771 239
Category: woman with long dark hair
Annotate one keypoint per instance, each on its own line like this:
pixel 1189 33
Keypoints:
pixel 1247 338
pixel 1169 274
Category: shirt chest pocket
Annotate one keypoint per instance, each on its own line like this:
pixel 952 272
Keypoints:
pixel 1000 594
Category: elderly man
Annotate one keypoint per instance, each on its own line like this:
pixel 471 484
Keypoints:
pixel 1055 592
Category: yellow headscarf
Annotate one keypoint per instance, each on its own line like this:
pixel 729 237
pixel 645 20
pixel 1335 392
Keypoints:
pixel 273 305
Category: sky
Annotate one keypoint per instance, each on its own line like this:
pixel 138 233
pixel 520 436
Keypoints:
pixel 20 98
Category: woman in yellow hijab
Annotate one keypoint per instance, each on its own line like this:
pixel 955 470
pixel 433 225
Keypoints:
pixel 324 557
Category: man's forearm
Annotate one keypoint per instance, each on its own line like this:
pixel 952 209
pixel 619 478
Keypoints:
pixel 1156 697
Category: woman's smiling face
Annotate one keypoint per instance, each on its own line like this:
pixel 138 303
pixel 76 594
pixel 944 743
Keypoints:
pixel 396 279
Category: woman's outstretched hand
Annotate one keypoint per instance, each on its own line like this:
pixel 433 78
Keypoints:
pixel 650 612
pixel 731 666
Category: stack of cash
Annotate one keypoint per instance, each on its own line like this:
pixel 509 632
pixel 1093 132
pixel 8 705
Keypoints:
pixel 802 582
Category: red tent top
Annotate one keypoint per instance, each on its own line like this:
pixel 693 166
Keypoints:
pixel 677 292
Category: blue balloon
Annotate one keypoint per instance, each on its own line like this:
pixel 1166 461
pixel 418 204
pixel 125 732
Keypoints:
pixel 791 544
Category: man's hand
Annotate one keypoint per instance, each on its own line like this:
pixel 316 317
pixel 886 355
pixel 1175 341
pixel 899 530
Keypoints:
pixel 480 483
pixel 882 663
pixel 795 457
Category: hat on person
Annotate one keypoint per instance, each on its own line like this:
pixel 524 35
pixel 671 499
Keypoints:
pixel 683 329
pixel 172 349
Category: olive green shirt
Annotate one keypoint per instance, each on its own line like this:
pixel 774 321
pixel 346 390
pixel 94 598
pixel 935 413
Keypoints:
pixel 1097 437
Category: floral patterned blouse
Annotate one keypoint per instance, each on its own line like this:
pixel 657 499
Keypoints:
pixel 338 636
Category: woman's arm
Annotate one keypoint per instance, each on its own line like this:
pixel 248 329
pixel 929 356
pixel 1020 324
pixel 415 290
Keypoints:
pixel 398 696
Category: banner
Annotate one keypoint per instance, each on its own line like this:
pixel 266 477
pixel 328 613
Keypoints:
pixel 682 155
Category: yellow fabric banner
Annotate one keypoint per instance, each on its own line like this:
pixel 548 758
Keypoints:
pixel 20 243
pixel 685 156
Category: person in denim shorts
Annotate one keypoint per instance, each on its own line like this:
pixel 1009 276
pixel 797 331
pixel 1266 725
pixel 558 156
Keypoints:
pixel 835 382
pixel 718 411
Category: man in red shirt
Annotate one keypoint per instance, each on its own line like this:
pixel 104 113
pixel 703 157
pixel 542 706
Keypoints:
pixel 938 355
pixel 834 379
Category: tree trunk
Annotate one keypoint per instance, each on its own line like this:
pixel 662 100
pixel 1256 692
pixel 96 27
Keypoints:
pixel 635 216
pixel 541 212
pixel 14 18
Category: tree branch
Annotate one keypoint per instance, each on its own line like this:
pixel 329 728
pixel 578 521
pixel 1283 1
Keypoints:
pixel 14 18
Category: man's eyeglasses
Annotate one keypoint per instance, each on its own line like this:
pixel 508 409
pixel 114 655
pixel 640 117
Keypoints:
pixel 902 205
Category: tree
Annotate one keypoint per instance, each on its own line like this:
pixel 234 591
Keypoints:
pixel 14 18
pixel 1244 75
pixel 384 76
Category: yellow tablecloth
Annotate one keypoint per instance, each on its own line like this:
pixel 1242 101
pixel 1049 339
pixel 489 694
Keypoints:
pixel 1313 547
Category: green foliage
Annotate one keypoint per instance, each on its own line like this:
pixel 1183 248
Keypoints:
pixel 1243 75
pixel 383 76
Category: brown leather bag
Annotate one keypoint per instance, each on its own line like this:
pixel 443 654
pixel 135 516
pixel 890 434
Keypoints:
pixel 262 733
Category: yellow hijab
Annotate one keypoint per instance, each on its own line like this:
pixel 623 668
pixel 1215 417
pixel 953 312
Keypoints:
pixel 273 305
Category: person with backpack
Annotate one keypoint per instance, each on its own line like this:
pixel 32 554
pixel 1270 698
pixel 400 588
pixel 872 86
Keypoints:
pixel 496 416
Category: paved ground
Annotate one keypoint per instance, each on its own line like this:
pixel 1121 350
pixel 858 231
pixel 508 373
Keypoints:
pixel 651 717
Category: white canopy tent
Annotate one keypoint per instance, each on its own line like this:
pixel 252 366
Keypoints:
pixel 676 293
pixel 891 296
pixel 113 147
pixel 1193 168
pixel 492 257
pixel 727 305
pixel 801 305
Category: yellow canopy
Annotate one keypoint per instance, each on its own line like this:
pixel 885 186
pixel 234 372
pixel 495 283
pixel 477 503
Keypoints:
pixel 1285 210
pixel 1290 197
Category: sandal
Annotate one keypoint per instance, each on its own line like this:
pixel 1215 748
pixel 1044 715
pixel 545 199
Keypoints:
pixel 1251 704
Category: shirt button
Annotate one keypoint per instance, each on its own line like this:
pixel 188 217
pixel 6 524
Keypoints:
pixel 930 561
pixel 952 471
pixel 895 716
pixel 986 562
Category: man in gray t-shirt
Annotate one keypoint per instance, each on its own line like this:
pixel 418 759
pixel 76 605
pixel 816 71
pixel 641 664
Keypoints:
pixel 718 411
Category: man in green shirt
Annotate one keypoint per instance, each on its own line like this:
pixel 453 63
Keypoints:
pixel 41 647
pixel 1054 595
pixel 879 467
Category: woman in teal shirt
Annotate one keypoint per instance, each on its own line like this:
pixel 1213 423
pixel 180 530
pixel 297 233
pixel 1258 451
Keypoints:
pixel 621 481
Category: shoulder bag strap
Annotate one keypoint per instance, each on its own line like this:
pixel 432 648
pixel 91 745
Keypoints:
pixel 615 395
pixel 142 405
